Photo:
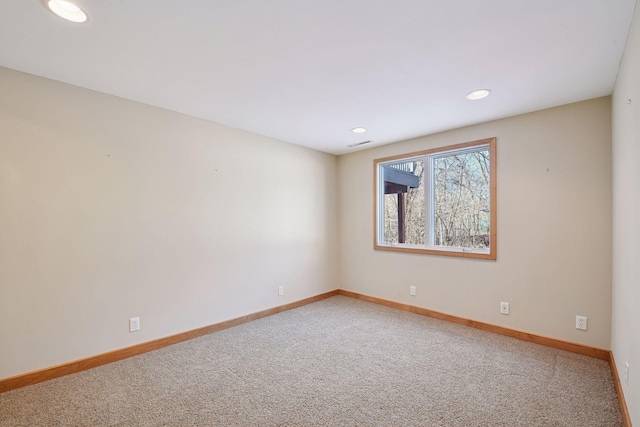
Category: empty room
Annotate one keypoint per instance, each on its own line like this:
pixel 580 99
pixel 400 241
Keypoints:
pixel 319 213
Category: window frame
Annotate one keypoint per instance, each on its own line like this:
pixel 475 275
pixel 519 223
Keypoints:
pixel 491 254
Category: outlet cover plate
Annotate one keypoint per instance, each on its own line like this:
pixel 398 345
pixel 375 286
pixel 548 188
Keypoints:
pixel 581 323
pixel 626 373
pixel 134 324
pixel 504 308
pixel 412 291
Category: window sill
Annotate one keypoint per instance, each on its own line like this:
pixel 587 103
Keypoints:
pixel 452 252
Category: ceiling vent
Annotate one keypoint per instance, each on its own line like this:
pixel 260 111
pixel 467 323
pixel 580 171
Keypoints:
pixel 358 143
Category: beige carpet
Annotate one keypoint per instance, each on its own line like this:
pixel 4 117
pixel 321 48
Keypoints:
pixel 338 362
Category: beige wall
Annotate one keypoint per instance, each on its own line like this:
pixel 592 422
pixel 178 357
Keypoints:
pixel 111 209
pixel 625 332
pixel 554 228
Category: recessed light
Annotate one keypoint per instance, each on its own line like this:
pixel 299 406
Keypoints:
pixel 67 10
pixel 478 94
pixel 358 130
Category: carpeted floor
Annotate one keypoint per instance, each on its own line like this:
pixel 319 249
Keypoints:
pixel 338 362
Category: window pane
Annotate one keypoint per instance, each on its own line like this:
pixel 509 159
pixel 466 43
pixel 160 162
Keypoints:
pixel 404 207
pixel 461 211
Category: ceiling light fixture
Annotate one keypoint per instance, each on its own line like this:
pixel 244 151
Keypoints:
pixel 67 10
pixel 478 94
pixel 358 130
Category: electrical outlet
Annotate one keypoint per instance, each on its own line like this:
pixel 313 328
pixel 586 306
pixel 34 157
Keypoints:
pixel 280 291
pixel 626 374
pixel 412 291
pixel 134 324
pixel 581 323
pixel 504 308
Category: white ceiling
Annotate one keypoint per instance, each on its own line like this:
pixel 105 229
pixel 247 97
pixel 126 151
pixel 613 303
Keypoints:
pixel 308 71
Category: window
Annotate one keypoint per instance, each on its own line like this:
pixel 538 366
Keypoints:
pixel 440 201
